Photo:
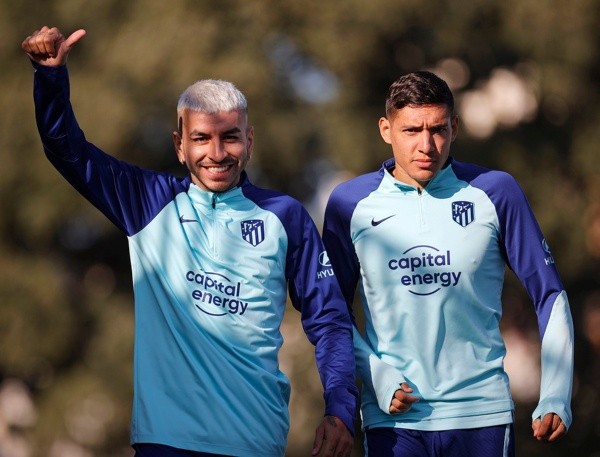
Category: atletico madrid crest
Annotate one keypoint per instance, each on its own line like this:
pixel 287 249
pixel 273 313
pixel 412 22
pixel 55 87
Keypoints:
pixel 463 213
pixel 253 231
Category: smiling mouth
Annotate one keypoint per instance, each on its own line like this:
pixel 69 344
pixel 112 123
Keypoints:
pixel 219 169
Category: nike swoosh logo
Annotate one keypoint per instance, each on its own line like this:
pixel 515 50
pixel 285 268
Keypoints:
pixel 375 223
pixel 183 220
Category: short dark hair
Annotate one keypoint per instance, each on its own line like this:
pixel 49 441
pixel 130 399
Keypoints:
pixel 418 88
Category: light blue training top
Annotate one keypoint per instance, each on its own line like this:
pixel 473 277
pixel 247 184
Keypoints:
pixel 211 274
pixel 430 268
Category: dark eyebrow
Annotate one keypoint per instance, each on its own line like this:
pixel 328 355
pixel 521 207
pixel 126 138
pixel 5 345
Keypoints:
pixel 226 132
pixel 233 130
pixel 420 127
pixel 412 127
pixel 439 126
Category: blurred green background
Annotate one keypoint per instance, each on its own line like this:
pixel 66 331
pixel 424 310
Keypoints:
pixel 526 74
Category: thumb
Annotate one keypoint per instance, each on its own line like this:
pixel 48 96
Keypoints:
pixel 406 388
pixel 74 38
pixel 319 436
pixel 66 45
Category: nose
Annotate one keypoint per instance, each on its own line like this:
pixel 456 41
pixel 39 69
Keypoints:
pixel 216 150
pixel 427 143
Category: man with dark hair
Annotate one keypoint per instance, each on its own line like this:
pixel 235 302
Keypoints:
pixel 427 239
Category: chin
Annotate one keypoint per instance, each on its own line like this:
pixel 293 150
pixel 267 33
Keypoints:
pixel 221 187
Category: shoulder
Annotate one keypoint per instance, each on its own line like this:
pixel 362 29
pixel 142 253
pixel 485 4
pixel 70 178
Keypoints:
pixel 357 188
pixel 346 196
pixel 495 183
pixel 271 200
pixel 290 212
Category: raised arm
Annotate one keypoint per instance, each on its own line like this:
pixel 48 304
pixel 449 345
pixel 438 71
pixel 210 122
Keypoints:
pixel 128 195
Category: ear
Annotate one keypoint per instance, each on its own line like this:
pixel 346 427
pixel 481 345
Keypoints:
pixel 454 123
pixel 384 129
pixel 178 147
pixel 250 141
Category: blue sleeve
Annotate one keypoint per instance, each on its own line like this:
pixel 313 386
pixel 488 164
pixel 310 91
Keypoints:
pixel 127 195
pixel 315 293
pixel 336 230
pixel 525 248
pixel 529 256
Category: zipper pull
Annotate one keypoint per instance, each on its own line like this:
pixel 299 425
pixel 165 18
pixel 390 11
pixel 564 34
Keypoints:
pixel 214 201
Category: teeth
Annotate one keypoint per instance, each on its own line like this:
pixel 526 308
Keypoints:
pixel 218 169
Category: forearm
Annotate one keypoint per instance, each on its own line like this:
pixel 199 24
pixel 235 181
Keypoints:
pixel 114 187
pixel 335 362
pixel 557 363
pixel 382 378
pixel 57 126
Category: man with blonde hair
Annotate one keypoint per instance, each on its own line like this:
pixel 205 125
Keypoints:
pixel 213 258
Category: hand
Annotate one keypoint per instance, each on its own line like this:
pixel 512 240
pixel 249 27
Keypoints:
pixel 549 428
pixel 334 437
pixel 49 47
pixel 402 401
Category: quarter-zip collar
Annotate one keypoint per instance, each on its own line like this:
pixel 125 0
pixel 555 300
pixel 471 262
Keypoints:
pixel 392 183
pixel 213 200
